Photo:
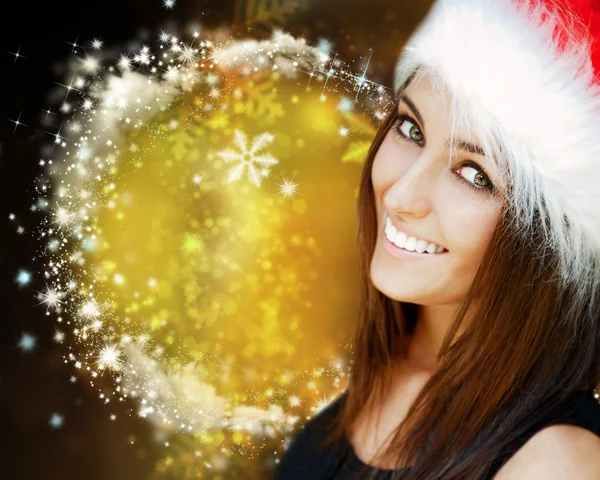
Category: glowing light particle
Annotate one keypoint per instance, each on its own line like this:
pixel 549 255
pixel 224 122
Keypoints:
pixel 343 132
pixel 197 179
pixel 51 298
pixel 56 421
pixel 27 343
pixel 17 122
pixel 288 189
pixel 63 217
pixel 110 357
pixel 97 44
pixel 90 309
pixel 23 277
pixel 17 54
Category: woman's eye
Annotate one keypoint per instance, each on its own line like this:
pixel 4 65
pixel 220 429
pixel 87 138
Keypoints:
pixel 475 177
pixel 410 130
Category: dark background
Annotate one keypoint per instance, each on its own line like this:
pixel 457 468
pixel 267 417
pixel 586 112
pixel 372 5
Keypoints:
pixel 34 385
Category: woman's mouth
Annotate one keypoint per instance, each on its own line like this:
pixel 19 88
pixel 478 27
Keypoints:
pixel 399 243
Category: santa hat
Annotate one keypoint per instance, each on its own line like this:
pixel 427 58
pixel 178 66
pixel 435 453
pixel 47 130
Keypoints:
pixel 524 77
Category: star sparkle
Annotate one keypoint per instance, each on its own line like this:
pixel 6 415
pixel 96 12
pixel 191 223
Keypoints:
pixel 343 132
pixel 74 46
pixel 288 188
pixel 51 298
pixel 49 111
pixel 17 54
pixel 68 87
pixel 17 122
pixel 97 44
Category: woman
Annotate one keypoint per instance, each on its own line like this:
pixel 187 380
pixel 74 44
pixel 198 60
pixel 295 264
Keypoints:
pixel 478 345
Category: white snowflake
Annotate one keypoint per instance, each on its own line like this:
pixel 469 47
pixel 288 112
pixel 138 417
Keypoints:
pixel 248 157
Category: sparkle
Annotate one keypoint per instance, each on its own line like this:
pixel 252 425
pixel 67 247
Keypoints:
pixel 187 55
pixel 323 402
pixel 64 218
pixel 23 277
pixel 124 62
pixel 17 122
pixel 97 44
pixel 69 87
pixel 197 179
pixel 143 57
pixel 90 309
pixel 362 80
pixel 90 64
pixel 168 4
pixel 211 79
pixel 51 298
pixel 294 401
pixel 27 342
pixel 49 111
pixel 74 46
pixel 109 357
pixel 343 132
pixel 164 36
pixel 324 45
pixel 57 137
pixel 87 104
pixel 288 189
pixel 56 421
pixel 17 54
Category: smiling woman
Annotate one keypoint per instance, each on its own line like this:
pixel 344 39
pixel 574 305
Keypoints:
pixel 478 343
pixel 427 199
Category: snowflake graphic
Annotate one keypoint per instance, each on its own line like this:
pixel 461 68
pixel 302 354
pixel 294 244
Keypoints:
pixel 248 157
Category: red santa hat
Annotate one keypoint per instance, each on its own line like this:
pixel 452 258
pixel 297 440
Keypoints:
pixel 524 78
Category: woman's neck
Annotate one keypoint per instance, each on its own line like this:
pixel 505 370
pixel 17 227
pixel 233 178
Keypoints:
pixel 430 329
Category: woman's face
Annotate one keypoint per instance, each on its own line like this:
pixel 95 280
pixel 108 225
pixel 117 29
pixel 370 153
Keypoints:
pixel 455 208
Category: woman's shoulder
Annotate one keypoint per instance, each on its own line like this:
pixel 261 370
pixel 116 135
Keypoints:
pixel 567 447
pixel 304 457
pixel 556 452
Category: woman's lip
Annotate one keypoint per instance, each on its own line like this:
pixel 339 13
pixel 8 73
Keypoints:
pixel 403 254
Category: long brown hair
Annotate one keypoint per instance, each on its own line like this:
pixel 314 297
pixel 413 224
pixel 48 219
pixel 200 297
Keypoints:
pixel 529 348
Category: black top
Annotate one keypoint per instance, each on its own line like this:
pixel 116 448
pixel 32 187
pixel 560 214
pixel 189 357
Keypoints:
pixel 302 459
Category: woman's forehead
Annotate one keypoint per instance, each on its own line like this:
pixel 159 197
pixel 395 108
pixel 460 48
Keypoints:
pixel 436 109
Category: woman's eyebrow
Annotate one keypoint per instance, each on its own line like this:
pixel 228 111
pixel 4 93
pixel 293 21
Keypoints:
pixel 468 146
pixel 414 109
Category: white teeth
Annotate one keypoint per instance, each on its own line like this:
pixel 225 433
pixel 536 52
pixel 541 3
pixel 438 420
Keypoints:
pixel 411 243
pixel 421 246
pixel 401 240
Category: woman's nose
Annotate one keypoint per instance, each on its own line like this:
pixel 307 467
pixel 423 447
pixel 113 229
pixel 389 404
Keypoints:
pixel 414 190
